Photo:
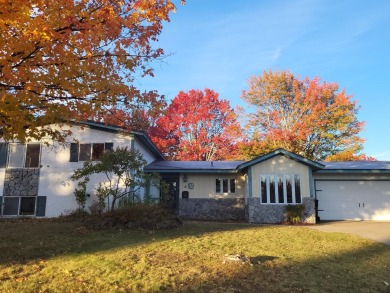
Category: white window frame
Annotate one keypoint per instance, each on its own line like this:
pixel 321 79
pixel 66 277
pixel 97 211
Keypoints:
pixel 24 155
pixel 284 177
pixel 229 185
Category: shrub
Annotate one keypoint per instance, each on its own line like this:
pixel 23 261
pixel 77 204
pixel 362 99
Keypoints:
pixel 97 207
pixel 294 213
pixel 139 215
pixel 81 193
pixel 74 215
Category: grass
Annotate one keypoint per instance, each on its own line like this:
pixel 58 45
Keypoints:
pixel 67 257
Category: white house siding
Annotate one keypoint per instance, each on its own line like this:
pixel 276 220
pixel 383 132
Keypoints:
pixel 56 168
pixel 146 154
pixel 2 176
pixel 154 192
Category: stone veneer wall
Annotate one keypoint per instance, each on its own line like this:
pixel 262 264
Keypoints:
pixel 275 213
pixel 212 208
pixel 21 182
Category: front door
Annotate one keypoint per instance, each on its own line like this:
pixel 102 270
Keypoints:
pixel 170 194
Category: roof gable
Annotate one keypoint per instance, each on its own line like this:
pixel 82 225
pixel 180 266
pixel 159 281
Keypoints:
pixel 143 138
pixel 313 164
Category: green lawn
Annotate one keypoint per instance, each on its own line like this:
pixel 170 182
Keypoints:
pixel 67 257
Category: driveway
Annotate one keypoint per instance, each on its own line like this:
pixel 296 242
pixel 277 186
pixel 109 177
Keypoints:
pixel 378 231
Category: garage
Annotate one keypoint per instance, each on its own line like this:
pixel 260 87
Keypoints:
pixel 353 199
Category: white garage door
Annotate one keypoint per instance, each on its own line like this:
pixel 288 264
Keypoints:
pixel 353 200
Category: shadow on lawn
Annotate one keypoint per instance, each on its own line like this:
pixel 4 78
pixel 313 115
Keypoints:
pixel 342 272
pixel 23 241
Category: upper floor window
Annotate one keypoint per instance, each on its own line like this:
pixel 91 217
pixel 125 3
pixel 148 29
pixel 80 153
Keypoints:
pixel 24 155
pixel 88 151
pixel 280 188
pixel 225 185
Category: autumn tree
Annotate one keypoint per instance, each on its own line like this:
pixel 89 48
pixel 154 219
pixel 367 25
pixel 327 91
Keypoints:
pixel 197 126
pixel 128 119
pixel 305 116
pixel 61 59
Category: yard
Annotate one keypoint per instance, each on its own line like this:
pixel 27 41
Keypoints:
pixel 67 257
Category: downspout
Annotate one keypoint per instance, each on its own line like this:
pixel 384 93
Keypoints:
pixel 250 181
pixel 311 183
pixel 131 191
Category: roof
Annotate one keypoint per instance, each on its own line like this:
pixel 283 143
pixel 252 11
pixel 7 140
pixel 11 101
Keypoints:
pixel 142 137
pixel 194 166
pixel 313 164
pixel 223 166
pixel 356 167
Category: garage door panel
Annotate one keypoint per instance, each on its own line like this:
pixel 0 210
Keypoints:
pixel 353 200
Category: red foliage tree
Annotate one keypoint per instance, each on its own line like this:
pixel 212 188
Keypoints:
pixel 197 126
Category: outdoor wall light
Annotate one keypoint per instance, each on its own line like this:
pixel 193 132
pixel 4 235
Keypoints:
pixel 185 178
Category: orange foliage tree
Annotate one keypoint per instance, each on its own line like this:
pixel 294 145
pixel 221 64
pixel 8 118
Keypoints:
pixel 61 60
pixel 308 117
pixel 197 126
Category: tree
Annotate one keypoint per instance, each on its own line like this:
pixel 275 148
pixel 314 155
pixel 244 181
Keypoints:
pixel 61 59
pixel 123 169
pixel 197 126
pixel 128 119
pixel 308 117
pixel 348 155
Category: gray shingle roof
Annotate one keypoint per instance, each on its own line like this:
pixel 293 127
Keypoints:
pixel 357 165
pixel 194 166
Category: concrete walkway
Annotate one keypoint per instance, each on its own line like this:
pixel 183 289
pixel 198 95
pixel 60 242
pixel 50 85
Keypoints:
pixel 378 231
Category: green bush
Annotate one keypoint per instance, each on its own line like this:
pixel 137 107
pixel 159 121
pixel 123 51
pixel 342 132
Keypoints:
pixel 294 213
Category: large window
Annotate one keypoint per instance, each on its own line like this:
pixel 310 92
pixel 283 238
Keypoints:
pixel 225 185
pixel 24 155
pixel 280 188
pixel 19 205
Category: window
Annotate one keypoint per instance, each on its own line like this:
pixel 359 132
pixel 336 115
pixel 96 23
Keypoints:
pixel 19 205
pixel 91 151
pixel 24 155
pixel 32 155
pixel 280 188
pixel 225 185
pixel 88 151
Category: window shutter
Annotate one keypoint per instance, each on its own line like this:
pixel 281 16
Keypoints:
pixel 74 152
pixel 41 206
pixel 108 146
pixel 1 205
pixel 3 155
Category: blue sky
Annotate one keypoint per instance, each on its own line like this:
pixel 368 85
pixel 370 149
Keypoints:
pixel 219 44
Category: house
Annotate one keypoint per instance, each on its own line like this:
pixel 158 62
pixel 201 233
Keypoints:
pixel 258 190
pixel 35 181
pixel 35 177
